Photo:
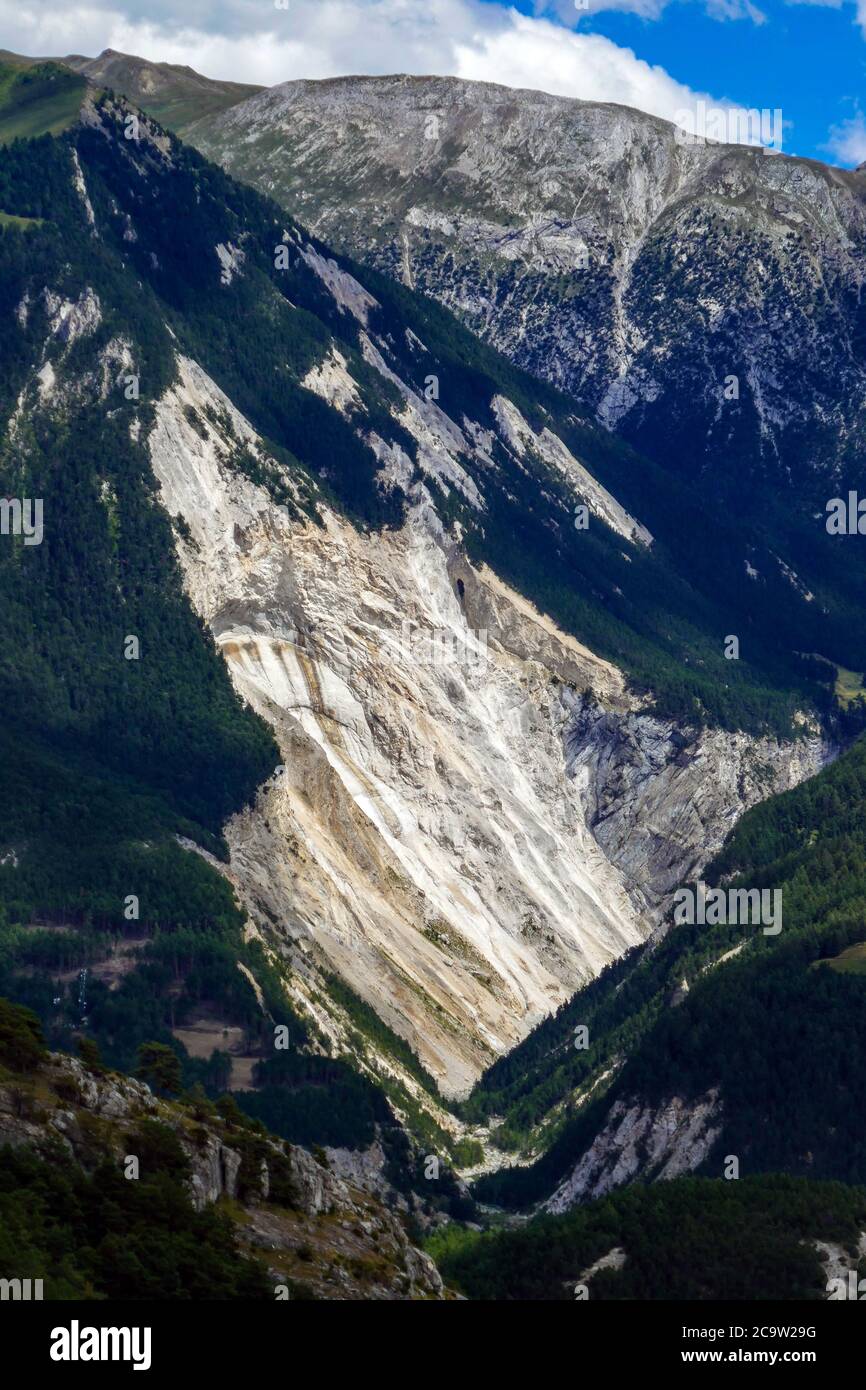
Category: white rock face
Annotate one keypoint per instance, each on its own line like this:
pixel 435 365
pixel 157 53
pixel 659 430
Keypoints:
pixel 81 189
pixel 839 1262
pixel 423 836
pixel 551 449
pixel 640 1141
pixel 440 442
pixel 51 385
pixel 451 831
pixel 231 259
pixel 347 291
pixel 332 381
pixel 46 381
pixel 68 320
pixel 614 1259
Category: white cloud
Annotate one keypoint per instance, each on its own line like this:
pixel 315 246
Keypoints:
pixel 847 141
pixel 535 53
pixel 735 9
pixel 254 41
pixel 571 11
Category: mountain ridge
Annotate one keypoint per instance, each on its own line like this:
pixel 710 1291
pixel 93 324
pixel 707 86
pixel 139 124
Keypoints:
pixel 466 192
pixel 240 465
pixel 316 459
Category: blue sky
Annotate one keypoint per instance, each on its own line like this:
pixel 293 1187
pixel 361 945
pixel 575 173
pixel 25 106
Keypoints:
pixel 662 56
pixel 807 59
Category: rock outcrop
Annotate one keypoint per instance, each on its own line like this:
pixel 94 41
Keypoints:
pixel 330 1237
pixel 661 799
pixel 641 1141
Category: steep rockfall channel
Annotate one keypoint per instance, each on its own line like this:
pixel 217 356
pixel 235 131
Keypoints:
pixel 451 831
pixel 422 834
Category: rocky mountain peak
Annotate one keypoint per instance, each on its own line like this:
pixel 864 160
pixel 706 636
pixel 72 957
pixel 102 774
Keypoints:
pixel 656 273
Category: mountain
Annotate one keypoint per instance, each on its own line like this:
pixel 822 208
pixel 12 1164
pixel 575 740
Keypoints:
pixel 174 95
pixel 272 421
pixel 700 300
pixel 366 702
pixel 703 301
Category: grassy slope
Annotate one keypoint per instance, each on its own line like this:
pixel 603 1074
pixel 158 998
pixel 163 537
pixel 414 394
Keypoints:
pixel 175 96
pixel 178 110
pixel 8 219
pixel 37 99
